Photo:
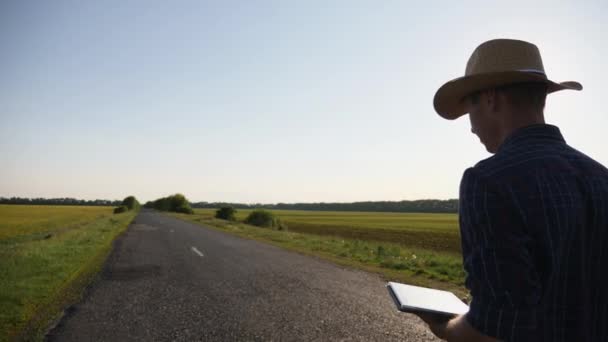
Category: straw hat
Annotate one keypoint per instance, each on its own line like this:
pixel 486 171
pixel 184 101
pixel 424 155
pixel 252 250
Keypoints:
pixel 495 63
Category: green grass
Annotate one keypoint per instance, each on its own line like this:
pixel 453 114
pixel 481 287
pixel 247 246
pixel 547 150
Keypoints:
pixel 48 254
pixel 408 262
pixel 23 220
pixel 438 232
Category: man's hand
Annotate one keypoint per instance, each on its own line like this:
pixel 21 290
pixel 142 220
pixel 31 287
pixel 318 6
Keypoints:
pixel 453 330
pixel 438 324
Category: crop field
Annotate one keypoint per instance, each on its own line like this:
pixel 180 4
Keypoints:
pixel 422 249
pixel 427 231
pixel 48 254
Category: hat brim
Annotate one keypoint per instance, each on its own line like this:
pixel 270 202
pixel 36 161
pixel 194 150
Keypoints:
pixel 449 98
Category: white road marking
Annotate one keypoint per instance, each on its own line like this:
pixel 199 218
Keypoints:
pixel 197 251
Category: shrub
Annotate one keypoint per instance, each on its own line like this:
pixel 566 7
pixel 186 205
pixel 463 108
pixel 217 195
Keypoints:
pixel 263 218
pixel 162 204
pixel 183 208
pixel 226 213
pixel 120 209
pixel 130 202
pixel 177 203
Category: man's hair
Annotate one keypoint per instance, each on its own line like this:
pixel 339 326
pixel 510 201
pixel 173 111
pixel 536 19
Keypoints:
pixel 521 95
pixel 526 95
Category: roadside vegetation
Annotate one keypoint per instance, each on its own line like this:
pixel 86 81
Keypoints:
pixel 175 203
pixel 266 219
pixel 226 213
pixel 129 203
pixel 438 232
pixel 413 256
pixel 48 255
pixel 121 209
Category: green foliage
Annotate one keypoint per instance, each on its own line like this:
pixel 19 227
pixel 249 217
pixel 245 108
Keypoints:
pixel 39 276
pixel 131 203
pixel 184 209
pixel 226 213
pixel 260 218
pixel 176 203
pixel 121 209
pixel 162 204
pixel 266 219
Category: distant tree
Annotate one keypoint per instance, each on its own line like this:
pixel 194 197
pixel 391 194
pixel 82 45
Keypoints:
pixel 176 203
pixel 131 203
pixel 162 204
pixel 226 213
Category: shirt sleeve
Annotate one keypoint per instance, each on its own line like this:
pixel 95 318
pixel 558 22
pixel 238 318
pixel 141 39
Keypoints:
pixel 501 274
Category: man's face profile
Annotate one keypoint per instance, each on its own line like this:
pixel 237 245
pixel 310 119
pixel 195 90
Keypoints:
pixel 483 123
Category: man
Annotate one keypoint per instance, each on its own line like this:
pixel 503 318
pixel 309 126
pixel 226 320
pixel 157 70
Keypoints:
pixel 533 217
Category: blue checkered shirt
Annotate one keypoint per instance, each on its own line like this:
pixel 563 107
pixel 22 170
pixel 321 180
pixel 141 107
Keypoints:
pixel 534 228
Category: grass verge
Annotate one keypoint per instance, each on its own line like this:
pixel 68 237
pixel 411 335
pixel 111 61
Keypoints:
pixel 393 261
pixel 45 266
pixel 438 232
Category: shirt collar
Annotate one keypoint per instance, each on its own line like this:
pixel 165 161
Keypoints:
pixel 533 132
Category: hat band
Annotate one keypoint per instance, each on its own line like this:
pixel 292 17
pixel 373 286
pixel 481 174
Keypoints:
pixel 536 71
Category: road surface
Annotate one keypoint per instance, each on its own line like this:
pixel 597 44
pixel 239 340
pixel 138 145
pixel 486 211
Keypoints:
pixel 170 280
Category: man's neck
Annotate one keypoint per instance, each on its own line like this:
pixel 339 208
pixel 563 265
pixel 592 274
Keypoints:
pixel 519 120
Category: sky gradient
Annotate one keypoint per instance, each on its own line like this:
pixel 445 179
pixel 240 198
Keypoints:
pixel 268 101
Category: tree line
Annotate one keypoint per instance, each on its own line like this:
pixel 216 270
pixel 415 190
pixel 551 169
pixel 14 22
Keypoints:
pixel 178 203
pixel 58 201
pixel 417 206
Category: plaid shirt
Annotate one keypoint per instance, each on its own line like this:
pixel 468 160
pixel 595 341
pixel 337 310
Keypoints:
pixel 534 228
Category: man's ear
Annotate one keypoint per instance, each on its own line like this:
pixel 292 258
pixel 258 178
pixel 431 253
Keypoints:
pixel 492 100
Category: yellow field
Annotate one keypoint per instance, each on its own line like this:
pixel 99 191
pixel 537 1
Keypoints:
pixel 48 254
pixel 19 220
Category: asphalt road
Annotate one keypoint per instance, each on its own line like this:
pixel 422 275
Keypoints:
pixel 169 280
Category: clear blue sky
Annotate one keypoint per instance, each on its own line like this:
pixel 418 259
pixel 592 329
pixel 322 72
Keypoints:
pixel 268 101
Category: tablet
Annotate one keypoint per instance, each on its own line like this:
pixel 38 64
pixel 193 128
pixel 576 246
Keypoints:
pixel 415 299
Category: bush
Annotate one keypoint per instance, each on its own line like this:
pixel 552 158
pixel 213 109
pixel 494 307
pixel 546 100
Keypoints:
pixel 121 209
pixel 263 218
pixel 184 208
pixel 162 204
pixel 131 203
pixel 177 203
pixel 226 213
